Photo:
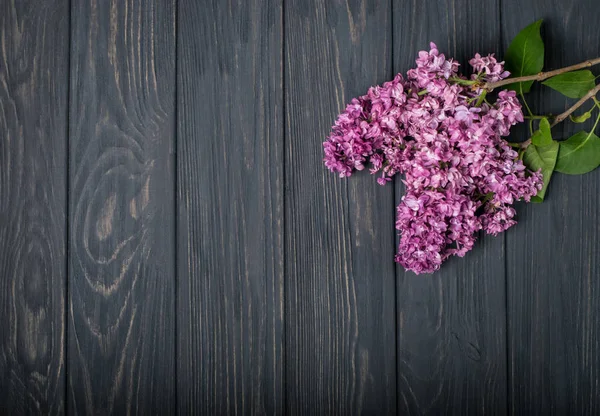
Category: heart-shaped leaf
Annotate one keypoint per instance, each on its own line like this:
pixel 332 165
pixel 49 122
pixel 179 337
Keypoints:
pixel 525 55
pixel 572 84
pixel 579 154
pixel 543 136
pixel 544 158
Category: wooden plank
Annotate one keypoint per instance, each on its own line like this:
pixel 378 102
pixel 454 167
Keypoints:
pixel 340 277
pixel 230 215
pixel 34 58
pixel 554 264
pixel 451 325
pixel 121 257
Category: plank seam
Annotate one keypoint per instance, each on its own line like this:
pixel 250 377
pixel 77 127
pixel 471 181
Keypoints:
pixel 395 391
pixel 504 241
pixel 68 213
pixel 284 211
pixel 176 214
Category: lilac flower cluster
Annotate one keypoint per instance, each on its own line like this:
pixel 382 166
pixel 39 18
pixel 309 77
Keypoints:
pixel 437 129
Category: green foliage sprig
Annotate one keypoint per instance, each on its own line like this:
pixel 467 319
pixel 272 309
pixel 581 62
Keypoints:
pixel 577 154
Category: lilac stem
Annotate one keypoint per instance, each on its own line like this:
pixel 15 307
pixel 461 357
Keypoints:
pixel 542 75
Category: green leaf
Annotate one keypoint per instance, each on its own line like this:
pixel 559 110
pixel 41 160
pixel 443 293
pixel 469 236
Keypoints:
pixel 544 158
pixel 543 136
pixel 545 129
pixel 582 118
pixel 525 55
pixel 572 84
pixel 537 138
pixel 579 154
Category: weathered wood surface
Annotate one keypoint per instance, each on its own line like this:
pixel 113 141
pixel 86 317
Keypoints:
pixel 230 208
pixel 34 81
pixel 170 241
pixel 121 334
pixel 340 277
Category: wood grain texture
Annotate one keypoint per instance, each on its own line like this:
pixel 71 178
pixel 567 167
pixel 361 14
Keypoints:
pixel 230 207
pixel 121 282
pixel 553 262
pixel 340 342
pixel 281 274
pixel 34 55
pixel 451 325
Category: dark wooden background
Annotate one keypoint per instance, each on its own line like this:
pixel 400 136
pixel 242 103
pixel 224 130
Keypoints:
pixel 170 241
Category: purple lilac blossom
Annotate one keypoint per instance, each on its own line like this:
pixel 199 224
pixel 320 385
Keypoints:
pixel 461 176
pixel 488 67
